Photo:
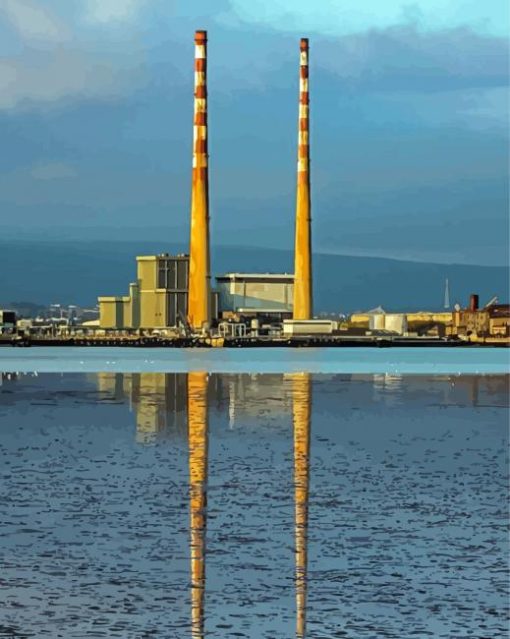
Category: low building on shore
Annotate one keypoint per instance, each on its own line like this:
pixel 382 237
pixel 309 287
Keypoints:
pixel 158 300
pixel 255 295
pixel 493 320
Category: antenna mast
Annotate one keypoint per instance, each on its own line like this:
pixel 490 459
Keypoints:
pixel 446 294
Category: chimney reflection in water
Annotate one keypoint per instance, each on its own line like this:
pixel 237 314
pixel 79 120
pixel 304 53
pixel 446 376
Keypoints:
pixel 301 392
pixel 198 448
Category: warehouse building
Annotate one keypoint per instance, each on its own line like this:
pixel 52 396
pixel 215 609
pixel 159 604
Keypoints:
pixel 255 294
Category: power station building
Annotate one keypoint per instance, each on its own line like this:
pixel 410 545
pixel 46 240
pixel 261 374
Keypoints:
pixel 255 294
pixel 157 300
pixel 159 297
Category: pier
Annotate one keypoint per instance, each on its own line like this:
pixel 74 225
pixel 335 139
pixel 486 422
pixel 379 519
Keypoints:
pixel 296 341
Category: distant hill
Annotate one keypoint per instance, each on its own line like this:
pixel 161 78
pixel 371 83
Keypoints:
pixel 77 272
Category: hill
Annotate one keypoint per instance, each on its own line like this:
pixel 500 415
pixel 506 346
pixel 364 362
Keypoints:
pixel 77 272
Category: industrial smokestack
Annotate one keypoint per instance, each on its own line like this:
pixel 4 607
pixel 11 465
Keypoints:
pixel 473 302
pixel 303 246
pixel 199 269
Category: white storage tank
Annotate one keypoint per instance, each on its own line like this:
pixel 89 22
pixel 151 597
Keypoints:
pixel 376 321
pixel 396 322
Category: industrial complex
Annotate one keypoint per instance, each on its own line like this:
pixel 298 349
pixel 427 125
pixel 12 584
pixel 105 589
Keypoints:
pixel 176 292
pixel 176 301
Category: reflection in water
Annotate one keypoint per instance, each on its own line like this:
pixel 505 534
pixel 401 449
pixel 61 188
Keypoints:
pixel 157 399
pixel 159 402
pixel 198 449
pixel 198 464
pixel 96 540
pixel 301 387
pixel 388 388
pixel 255 396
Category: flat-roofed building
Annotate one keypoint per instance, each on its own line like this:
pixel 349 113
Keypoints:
pixel 490 321
pixel 255 293
pixel 157 300
pixel 499 320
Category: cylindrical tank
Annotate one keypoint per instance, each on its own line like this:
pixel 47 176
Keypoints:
pixel 396 322
pixel 376 321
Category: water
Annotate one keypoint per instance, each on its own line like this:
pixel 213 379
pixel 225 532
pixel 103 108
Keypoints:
pixel 364 360
pixel 254 505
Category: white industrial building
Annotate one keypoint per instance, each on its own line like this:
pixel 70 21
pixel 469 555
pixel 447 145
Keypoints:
pixel 255 293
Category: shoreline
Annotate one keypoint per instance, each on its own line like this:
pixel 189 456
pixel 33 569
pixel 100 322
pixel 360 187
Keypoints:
pixel 313 341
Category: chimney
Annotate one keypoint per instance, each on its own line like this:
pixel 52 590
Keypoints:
pixel 199 269
pixel 473 302
pixel 303 241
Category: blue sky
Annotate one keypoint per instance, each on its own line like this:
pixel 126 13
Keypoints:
pixel 409 122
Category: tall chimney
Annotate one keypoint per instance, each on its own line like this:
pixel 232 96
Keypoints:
pixel 303 246
pixel 473 302
pixel 199 269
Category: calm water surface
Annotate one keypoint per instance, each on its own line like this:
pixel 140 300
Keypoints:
pixel 261 506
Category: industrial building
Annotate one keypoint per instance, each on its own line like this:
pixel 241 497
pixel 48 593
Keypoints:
pixel 414 323
pixel 8 321
pixel 157 300
pixel 255 294
pixel 493 320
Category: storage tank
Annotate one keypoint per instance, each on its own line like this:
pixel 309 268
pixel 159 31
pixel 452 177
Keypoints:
pixel 376 321
pixel 396 322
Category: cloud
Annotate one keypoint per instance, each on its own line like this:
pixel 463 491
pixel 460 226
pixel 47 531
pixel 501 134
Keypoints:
pixel 52 77
pixel 341 17
pixel 56 59
pixel 407 58
pixel 34 23
pixel 68 52
pixel 108 11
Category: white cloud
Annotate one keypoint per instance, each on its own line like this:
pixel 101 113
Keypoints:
pixel 33 22
pixel 58 75
pixel 106 11
pixel 340 17
pixel 57 59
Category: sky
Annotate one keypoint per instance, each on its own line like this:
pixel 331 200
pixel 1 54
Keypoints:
pixel 409 116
